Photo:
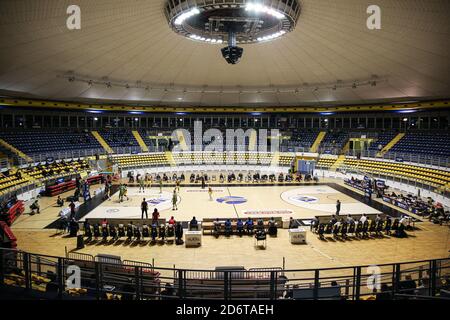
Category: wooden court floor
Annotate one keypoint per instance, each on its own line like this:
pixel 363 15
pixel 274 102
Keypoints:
pixel 429 241
pixel 194 201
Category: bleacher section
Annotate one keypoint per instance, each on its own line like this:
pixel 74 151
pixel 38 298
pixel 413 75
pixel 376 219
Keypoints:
pixel 56 168
pixel 285 160
pixel 383 139
pixel 391 144
pixel 426 143
pixel 23 176
pixel 30 142
pixel 137 136
pixel 10 179
pixel 38 141
pixel 151 160
pixel 430 176
pixel 144 135
pixel 190 158
pixel 325 162
pixel 333 141
pixel 119 138
pixel 11 150
pixel 302 139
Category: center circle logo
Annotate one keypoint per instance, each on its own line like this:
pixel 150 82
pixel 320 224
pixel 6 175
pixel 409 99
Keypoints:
pixel 156 201
pixel 300 198
pixel 112 210
pixel 231 200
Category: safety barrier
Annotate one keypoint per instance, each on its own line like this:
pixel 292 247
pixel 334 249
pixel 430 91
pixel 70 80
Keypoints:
pixel 46 277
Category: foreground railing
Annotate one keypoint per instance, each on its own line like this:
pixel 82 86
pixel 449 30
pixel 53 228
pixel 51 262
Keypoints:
pixel 50 277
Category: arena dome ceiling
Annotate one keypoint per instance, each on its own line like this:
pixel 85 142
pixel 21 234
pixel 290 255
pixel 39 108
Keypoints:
pixel 126 52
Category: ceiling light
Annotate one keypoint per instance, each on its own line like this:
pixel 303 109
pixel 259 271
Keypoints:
pixel 259 8
pixel 186 15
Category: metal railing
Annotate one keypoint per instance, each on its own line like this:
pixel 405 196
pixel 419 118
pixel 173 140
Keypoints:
pixel 47 277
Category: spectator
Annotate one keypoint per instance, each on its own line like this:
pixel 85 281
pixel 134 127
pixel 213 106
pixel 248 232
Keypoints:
pixel 385 294
pixel 408 285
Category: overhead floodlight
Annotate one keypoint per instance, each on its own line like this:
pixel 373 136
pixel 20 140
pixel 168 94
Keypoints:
pixel 259 8
pixel 186 15
pixel 233 22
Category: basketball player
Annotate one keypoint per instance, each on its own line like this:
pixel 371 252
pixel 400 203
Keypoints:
pixel 177 183
pixel 150 181
pixel 141 184
pixel 210 191
pixel 121 190
pixel 160 185
pixel 174 200
pixel 125 192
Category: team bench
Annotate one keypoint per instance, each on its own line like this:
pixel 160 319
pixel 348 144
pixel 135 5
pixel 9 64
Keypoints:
pixel 208 224
pixel 356 217
pixel 125 221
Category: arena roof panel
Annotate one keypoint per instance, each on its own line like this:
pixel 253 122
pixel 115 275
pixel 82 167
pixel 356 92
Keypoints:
pixel 125 42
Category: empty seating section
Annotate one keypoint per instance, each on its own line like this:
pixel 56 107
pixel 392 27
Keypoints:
pixel 302 138
pixel 286 160
pixel 145 136
pixel 334 140
pixel 192 158
pixel 325 163
pixel 37 141
pixel 425 143
pixel 11 179
pixel 56 168
pixel 33 141
pixel 119 138
pixel 383 139
pixel 23 176
pixel 151 160
pixel 428 175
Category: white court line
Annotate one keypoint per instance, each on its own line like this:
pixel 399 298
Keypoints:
pixel 322 253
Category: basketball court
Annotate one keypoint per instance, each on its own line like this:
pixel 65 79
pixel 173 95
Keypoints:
pixel 302 202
